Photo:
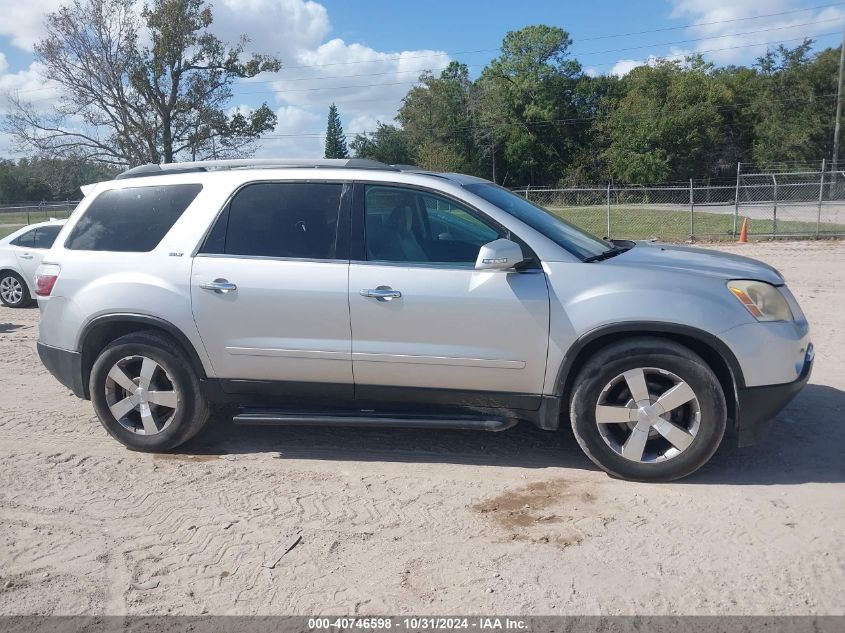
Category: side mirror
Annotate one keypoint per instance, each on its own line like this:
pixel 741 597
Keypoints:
pixel 500 254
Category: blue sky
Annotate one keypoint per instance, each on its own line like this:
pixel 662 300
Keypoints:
pixel 365 54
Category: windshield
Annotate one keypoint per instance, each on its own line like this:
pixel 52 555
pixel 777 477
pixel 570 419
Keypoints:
pixel 575 240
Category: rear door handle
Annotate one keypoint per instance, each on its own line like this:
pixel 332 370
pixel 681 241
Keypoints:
pixel 220 286
pixel 382 293
pixel 27 256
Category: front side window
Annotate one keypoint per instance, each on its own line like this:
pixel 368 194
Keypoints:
pixel 575 240
pixel 131 220
pixel 408 225
pixel 279 219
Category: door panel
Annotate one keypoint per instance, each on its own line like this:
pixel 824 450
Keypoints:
pixel 28 260
pixel 269 289
pixel 31 247
pixel 442 327
pixel 451 328
pixel 287 320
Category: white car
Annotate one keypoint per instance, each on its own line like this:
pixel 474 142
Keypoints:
pixel 20 254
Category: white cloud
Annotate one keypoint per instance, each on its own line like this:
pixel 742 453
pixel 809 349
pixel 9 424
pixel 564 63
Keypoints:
pixel 624 66
pixel 728 41
pixel 366 84
pixel 289 139
pixel 357 78
pixel 23 22
pixel 278 27
pixel 29 84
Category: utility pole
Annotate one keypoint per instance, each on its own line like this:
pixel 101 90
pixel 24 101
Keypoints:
pixel 838 104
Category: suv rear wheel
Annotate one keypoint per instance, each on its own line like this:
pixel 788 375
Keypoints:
pixel 648 409
pixel 145 393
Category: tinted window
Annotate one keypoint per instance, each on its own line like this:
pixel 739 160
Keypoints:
pixel 45 236
pixel 576 241
pixel 134 219
pixel 407 225
pixel 27 239
pixel 284 219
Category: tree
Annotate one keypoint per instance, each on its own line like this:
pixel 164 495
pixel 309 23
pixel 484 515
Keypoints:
pixel 792 112
pixel 668 124
pixel 527 102
pixel 438 118
pixel 335 138
pixel 388 144
pixel 125 105
pixel 36 179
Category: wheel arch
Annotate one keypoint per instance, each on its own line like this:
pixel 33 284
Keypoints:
pixel 713 351
pixel 104 329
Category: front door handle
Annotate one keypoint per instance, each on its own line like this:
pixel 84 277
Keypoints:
pixel 382 293
pixel 27 256
pixel 220 286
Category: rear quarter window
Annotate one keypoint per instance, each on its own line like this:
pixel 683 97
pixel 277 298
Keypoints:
pixel 131 220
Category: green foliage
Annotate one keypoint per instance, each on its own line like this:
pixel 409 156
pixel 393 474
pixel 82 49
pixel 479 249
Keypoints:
pixel 668 124
pixel 388 144
pixel 787 124
pixel 38 179
pixel 534 118
pixel 526 99
pixel 438 118
pixel 335 138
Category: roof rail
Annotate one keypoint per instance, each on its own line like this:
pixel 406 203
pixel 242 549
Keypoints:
pixel 252 163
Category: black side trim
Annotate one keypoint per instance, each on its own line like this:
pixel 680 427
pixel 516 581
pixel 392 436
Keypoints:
pixel 456 397
pixel 757 406
pixel 329 394
pixel 89 335
pixel 66 367
pixel 645 328
pixel 344 397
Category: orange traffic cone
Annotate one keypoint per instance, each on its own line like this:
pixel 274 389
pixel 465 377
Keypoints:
pixel 743 234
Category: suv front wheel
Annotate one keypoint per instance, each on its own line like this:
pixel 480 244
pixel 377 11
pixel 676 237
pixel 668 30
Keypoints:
pixel 648 409
pixel 145 393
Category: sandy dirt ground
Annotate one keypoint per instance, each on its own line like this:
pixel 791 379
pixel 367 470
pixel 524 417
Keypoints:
pixel 402 522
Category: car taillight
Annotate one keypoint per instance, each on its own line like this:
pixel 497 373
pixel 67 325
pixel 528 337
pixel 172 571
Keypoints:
pixel 45 279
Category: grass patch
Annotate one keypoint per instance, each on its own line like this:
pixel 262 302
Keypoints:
pixel 22 217
pixel 669 225
pixel 8 230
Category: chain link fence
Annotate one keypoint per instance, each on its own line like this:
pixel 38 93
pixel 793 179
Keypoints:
pixel 783 204
pixel 15 216
pixel 800 203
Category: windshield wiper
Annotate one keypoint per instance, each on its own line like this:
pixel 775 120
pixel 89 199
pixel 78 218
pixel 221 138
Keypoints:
pixel 611 252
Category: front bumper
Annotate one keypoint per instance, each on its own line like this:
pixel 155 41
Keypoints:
pixel 66 367
pixel 757 406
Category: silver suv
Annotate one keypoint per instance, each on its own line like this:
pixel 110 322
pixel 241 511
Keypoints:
pixel 357 293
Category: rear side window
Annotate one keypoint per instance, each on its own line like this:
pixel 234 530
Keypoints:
pixel 45 236
pixel 279 219
pixel 26 240
pixel 131 220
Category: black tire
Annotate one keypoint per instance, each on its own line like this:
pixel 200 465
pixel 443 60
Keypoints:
pixel 192 412
pixel 26 298
pixel 646 352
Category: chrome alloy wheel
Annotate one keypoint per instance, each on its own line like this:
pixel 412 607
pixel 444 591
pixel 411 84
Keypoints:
pixel 141 395
pixel 648 415
pixel 11 289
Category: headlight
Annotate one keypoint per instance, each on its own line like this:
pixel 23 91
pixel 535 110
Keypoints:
pixel 763 301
